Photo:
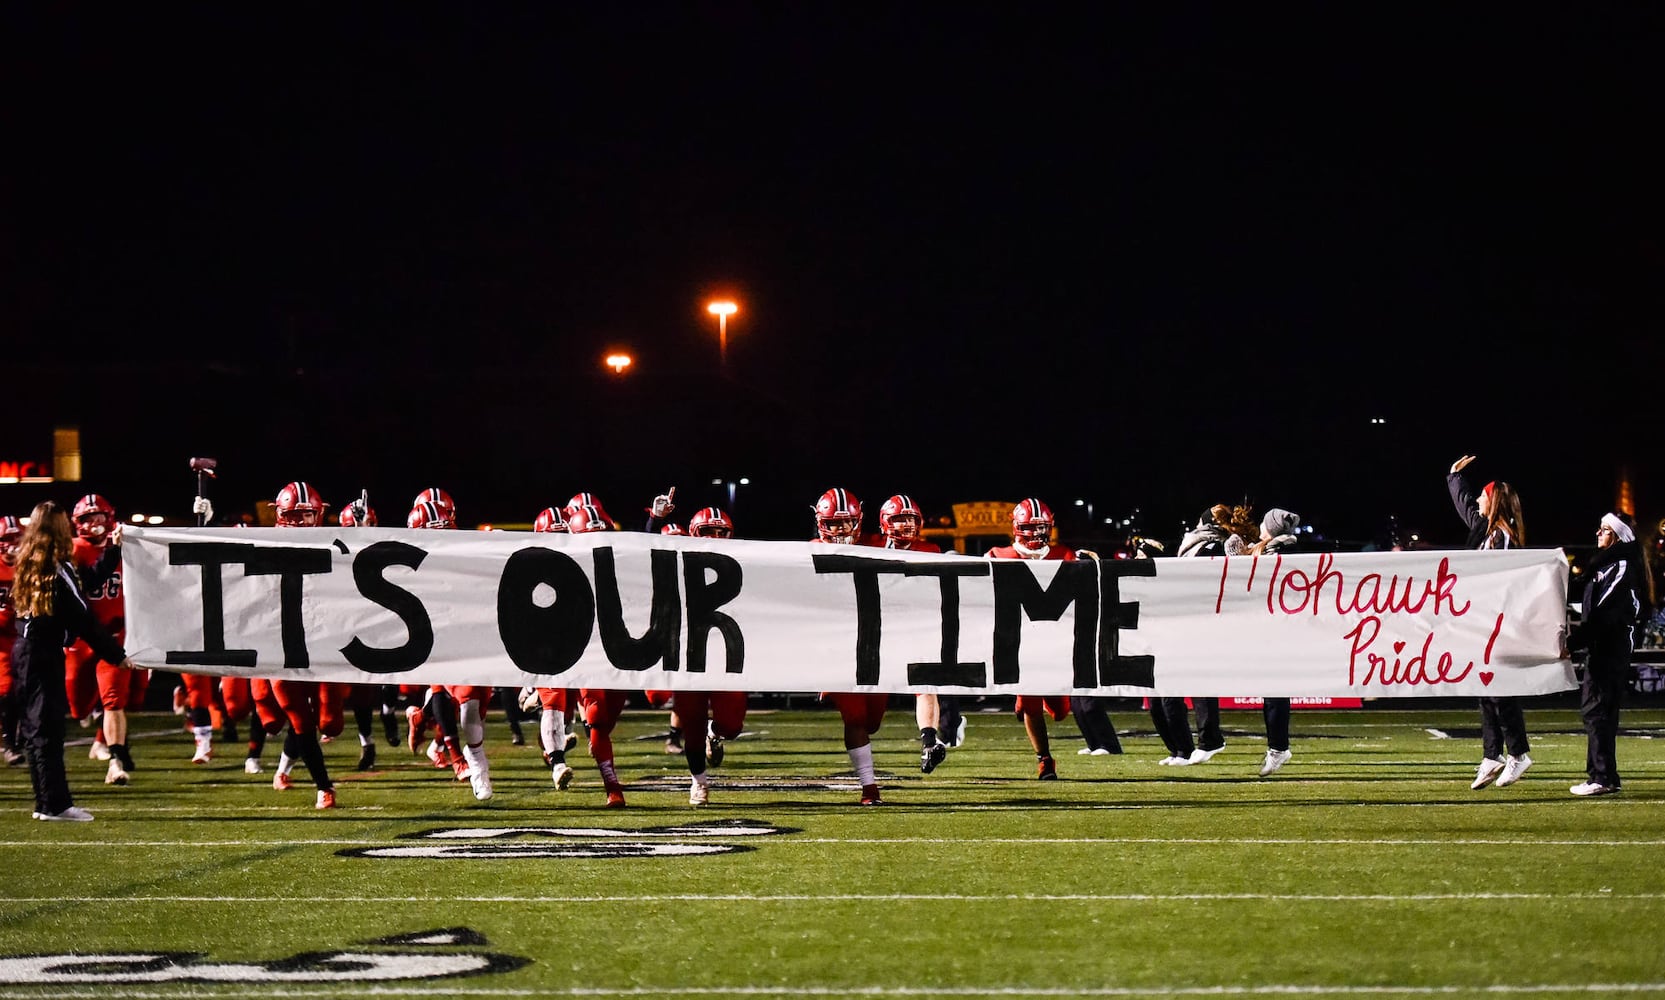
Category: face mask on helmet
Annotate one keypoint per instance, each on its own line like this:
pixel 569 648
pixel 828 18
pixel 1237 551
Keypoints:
pixel 587 518
pixel 438 498
pixel 710 523
pixel 299 506
pixel 899 518
pixel 93 515
pixel 430 515
pixel 11 534
pixel 838 516
pixel 550 519
pixel 1032 525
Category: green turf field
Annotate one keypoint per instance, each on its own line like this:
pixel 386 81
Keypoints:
pixel 1366 866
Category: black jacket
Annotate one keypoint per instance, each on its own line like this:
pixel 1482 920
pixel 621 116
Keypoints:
pixel 1462 496
pixel 1615 596
pixel 70 619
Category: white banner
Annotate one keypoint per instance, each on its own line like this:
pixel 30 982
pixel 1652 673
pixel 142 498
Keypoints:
pixel 632 611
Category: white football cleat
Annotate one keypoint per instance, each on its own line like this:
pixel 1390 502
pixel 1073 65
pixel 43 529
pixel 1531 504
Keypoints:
pixel 115 775
pixel 562 776
pixel 205 750
pixel 251 765
pixel 699 793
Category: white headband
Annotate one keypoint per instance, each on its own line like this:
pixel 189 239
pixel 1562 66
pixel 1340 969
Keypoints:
pixel 1618 527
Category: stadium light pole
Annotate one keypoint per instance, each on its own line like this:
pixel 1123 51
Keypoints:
pixel 722 310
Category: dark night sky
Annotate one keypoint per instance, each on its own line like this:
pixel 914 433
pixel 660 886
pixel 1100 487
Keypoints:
pixel 1154 260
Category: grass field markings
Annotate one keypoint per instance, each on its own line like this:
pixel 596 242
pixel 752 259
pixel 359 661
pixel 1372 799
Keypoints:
pixel 600 833
pixel 900 897
pixel 1290 989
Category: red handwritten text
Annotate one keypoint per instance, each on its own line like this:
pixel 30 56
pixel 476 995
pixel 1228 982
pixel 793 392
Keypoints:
pixel 1421 668
pixel 1294 591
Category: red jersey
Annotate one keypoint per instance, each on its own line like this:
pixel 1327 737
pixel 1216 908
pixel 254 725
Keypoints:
pixel 919 545
pixel 871 541
pixel 105 601
pixel 8 614
pixel 1011 552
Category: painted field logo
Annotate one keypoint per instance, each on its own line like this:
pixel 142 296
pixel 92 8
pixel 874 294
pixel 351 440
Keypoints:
pixel 404 956
pixel 517 842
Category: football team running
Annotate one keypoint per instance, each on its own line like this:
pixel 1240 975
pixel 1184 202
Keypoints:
pixel 446 722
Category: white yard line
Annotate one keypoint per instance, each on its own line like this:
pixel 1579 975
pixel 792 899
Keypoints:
pixel 1106 897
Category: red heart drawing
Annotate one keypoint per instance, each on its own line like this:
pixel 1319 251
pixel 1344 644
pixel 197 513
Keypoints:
pixel 1486 677
pixel 1398 647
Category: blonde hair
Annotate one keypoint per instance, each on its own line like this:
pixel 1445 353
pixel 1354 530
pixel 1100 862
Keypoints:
pixel 47 542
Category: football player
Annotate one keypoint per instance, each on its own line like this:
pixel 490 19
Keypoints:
pixel 600 707
pixel 726 709
pixel 900 522
pixel 458 710
pixel 1032 539
pixel 311 708
pixel 116 688
pixel 838 522
pixel 554 705
pixel 11 712
pixel 369 700
pixel 663 506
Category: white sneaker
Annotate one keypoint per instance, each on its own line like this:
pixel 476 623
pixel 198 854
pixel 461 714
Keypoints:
pixel 99 749
pixel 115 775
pixel 1592 788
pixel 1178 761
pixel 562 776
pixel 1488 772
pixel 1513 768
pixel 479 779
pixel 1084 751
pixel 1274 760
pixel 699 793
pixel 1201 756
pixel 251 765
pixel 205 750
pixel 74 814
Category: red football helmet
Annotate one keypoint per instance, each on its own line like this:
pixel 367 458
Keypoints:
pixel 11 532
pixel 438 498
pixel 430 515
pixel 93 517
pixel 586 500
pixel 1032 525
pixel 838 517
pixel 900 518
pixel 587 517
pixel 672 529
pixel 358 514
pixel 710 522
pixel 299 506
pixel 550 519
